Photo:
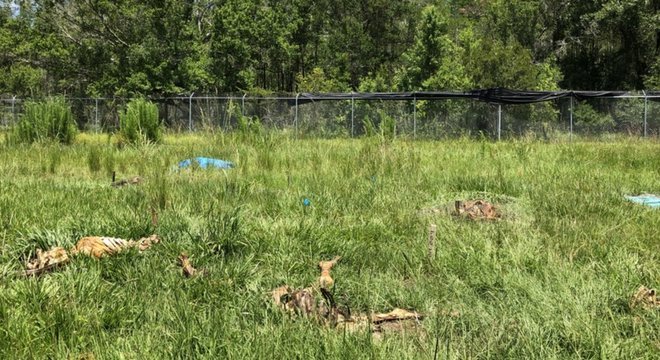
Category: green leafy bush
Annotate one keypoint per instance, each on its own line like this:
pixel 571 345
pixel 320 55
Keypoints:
pixel 589 120
pixel 46 120
pixel 139 123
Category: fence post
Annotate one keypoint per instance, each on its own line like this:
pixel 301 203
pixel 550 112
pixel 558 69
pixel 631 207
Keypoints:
pixel 431 244
pixel 243 105
pixel 571 119
pixel 646 111
pixel 415 117
pixel 295 119
pixel 499 122
pixel 352 115
pixel 96 113
pixel 190 111
pixel 13 109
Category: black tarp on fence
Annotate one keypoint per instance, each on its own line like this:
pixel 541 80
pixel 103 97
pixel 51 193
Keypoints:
pixel 494 95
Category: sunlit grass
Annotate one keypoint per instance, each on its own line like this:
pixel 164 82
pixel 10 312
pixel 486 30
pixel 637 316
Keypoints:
pixel 550 280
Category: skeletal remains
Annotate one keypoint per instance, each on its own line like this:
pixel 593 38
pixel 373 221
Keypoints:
pixel 645 298
pixel 187 267
pixel 46 260
pixel 476 210
pixel 317 302
pixel 470 209
pixel 135 180
pixel 96 246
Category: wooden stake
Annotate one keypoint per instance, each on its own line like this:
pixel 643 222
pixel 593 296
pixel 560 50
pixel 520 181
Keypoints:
pixel 458 205
pixel 154 216
pixel 432 235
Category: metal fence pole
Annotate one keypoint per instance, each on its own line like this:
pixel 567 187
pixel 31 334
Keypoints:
pixel 96 114
pixel 190 127
pixel 352 115
pixel 415 117
pixel 295 119
pixel 646 112
pixel 571 119
pixel 243 105
pixel 499 122
pixel 13 109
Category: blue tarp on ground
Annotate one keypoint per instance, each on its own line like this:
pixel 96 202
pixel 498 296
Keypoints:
pixel 646 199
pixel 205 163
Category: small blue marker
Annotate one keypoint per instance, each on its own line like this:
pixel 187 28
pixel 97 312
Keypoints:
pixel 306 202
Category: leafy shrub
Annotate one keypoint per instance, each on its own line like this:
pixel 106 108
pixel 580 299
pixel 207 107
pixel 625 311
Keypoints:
pixel 47 120
pixel 628 114
pixel 139 123
pixel 588 120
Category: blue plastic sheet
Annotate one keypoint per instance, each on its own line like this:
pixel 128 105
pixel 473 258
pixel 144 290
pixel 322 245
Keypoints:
pixel 205 163
pixel 646 199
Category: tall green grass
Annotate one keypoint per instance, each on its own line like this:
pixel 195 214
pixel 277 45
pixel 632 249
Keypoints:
pixel 48 120
pixel 139 123
pixel 551 279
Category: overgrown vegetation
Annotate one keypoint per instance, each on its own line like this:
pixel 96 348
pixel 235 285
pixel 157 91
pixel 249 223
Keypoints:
pixel 551 279
pixel 48 120
pixel 591 121
pixel 139 123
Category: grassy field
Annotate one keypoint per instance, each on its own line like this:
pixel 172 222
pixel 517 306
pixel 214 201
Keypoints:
pixel 552 279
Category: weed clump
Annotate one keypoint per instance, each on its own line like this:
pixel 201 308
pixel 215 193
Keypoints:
pixel 248 128
pixel 94 160
pixel 139 123
pixel 384 127
pixel 51 119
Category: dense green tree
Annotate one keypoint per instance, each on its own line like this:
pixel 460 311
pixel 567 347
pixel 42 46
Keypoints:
pixel 608 44
pixel 364 35
pixel 652 80
pixel 32 58
pixel 232 45
pixel 165 47
pixel 125 47
pixel 436 60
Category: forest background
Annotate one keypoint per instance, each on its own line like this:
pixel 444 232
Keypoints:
pixel 169 47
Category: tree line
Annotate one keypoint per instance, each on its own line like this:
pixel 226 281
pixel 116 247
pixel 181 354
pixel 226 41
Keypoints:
pixel 170 47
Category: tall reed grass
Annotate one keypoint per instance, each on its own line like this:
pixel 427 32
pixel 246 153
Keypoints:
pixel 139 123
pixel 48 120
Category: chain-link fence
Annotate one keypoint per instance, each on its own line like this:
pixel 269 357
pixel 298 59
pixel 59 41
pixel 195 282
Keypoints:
pixel 9 111
pixel 632 115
